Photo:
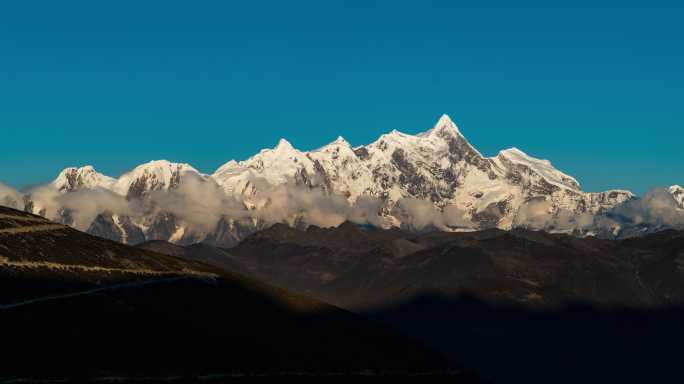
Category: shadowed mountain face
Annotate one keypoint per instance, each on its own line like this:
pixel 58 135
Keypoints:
pixel 200 252
pixel 369 268
pixel 520 306
pixel 579 343
pixel 73 305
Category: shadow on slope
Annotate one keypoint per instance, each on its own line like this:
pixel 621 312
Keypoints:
pixel 520 322
pixel 580 343
pixel 190 327
pixel 76 306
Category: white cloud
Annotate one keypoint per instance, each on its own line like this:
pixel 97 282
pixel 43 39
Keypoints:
pixel 657 207
pixel 10 197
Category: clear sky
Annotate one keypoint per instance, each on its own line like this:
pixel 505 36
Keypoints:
pixel 596 87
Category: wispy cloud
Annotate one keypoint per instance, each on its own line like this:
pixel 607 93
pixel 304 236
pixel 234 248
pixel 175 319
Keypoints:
pixel 200 204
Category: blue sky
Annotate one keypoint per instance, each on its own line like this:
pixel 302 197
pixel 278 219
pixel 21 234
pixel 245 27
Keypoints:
pixel 596 87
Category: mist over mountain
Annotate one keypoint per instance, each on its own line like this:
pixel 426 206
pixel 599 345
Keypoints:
pixel 435 180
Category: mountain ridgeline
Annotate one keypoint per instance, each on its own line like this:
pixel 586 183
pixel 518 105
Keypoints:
pixel 434 180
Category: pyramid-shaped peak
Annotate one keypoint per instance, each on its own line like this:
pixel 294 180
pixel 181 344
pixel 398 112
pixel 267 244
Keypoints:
pixel 340 140
pixel 443 126
pixel 334 145
pixel 444 119
pixel 283 145
pixel 445 122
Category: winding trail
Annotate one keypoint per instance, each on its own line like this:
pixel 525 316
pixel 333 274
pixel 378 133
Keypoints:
pixel 23 218
pixel 161 276
pixel 4 262
pixel 32 228
pixel 91 291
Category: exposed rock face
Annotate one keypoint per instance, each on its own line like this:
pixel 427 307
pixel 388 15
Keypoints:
pixel 117 228
pixel 677 193
pixel 158 175
pixel 439 166
pixel 73 179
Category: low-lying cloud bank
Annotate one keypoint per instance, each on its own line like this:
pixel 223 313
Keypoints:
pixel 9 197
pixel 539 214
pixel 201 204
pixel 657 207
pixel 420 214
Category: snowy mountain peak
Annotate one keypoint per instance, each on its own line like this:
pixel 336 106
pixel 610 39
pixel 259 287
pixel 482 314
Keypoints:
pixel 227 171
pixel 341 141
pixel 516 153
pixel 394 136
pixel 444 120
pixel 283 145
pixel 540 166
pixel 72 178
pixel 162 164
pixel 160 167
pixel 276 165
pixel 230 165
pixel 335 145
pixel 443 126
pixel 154 175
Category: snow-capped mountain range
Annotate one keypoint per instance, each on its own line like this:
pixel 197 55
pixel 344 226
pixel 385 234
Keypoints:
pixel 145 178
pixel 401 172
